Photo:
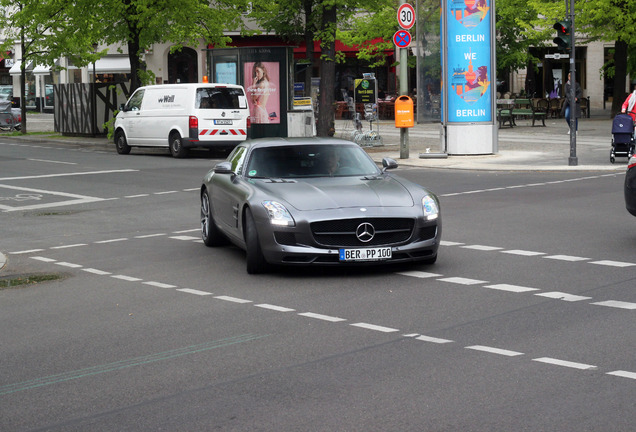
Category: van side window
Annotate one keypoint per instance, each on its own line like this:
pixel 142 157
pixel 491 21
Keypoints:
pixel 134 103
pixel 219 98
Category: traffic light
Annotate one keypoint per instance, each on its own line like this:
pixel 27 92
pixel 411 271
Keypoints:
pixel 563 38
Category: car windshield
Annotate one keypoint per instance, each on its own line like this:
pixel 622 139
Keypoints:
pixel 310 161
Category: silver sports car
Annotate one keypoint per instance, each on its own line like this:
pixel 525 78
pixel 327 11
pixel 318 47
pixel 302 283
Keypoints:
pixel 302 201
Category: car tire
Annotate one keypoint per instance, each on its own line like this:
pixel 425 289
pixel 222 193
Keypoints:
pixel 255 260
pixel 176 146
pixel 121 144
pixel 210 233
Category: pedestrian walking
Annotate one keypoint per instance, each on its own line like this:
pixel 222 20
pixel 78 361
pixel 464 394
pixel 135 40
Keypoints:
pixel 629 105
pixel 566 110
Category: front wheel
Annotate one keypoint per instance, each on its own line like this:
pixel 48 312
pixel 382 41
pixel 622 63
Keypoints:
pixel 255 260
pixel 176 146
pixel 121 144
pixel 209 232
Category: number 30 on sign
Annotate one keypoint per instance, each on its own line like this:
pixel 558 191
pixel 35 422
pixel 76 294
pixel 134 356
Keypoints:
pixel 406 16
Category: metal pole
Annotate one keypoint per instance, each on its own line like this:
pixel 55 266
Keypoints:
pixel 404 90
pixel 572 160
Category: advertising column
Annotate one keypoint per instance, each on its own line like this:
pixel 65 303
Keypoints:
pixel 469 77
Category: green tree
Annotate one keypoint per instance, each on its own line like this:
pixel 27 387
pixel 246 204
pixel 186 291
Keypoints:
pixel 139 24
pixel 43 30
pixel 314 20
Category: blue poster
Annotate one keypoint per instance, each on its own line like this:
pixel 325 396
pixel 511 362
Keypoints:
pixel 469 59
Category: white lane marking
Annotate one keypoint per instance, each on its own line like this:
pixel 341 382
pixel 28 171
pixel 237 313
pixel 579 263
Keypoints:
pixel 193 291
pixel 43 259
pixel 77 199
pixel 186 231
pixel 184 238
pixel 68 174
pixel 126 278
pixel 69 246
pixel 96 271
pixel 68 264
pixel 623 374
pixel 565 363
pixel 111 241
pixel 159 284
pixel 419 274
pixel 569 258
pixel 616 304
pixel 191 189
pixel 52 161
pixel 462 281
pixel 522 252
pixel 26 251
pixel 432 339
pixel 482 247
pixel 449 243
pixel 233 299
pixel 613 263
pixel 493 350
pixel 511 288
pixel 150 235
pixel 137 196
pixel 274 307
pixel 165 193
pixel 374 327
pixel 321 317
pixel 563 296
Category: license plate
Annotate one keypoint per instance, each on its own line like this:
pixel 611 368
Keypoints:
pixel 222 122
pixel 366 254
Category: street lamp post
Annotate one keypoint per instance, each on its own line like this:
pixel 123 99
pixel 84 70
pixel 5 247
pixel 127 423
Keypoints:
pixel 94 95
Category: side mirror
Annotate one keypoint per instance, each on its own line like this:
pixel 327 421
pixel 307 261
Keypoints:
pixel 223 168
pixel 388 163
pixel 121 107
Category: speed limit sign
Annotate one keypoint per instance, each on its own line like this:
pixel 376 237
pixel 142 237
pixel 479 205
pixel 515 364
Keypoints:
pixel 406 16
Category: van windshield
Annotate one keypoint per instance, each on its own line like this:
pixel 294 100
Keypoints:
pixel 219 98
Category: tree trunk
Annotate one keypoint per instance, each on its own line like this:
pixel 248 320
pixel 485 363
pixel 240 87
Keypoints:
pixel 327 74
pixel 620 73
pixel 309 45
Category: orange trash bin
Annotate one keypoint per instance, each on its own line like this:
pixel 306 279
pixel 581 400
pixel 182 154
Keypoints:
pixel 404 112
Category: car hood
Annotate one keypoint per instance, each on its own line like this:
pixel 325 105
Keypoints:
pixel 339 192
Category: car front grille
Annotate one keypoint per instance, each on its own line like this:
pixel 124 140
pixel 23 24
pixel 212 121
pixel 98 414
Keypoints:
pixel 342 233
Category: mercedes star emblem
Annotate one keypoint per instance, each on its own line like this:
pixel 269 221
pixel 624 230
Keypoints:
pixel 365 232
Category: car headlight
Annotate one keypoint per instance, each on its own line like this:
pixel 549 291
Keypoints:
pixel 278 214
pixel 429 205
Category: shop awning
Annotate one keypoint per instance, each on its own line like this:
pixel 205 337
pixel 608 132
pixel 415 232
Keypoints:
pixel 111 65
pixel 15 69
pixel 42 70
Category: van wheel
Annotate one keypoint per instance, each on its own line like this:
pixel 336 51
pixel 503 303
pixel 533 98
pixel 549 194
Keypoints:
pixel 121 144
pixel 176 146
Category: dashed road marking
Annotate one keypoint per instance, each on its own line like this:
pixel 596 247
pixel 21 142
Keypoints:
pixel 126 278
pixel 565 363
pixel 321 317
pixel 193 291
pixel 492 350
pixel 563 296
pixel 511 288
pixel 233 299
pixel 568 258
pixel 374 327
pixel 623 374
pixel 482 247
pixel 616 304
pixel 462 281
pixel 274 307
pixel 613 263
pixel 159 284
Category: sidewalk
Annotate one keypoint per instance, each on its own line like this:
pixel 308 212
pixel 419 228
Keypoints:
pixel 522 148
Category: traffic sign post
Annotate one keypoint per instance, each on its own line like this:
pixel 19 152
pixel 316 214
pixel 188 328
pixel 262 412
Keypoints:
pixel 406 16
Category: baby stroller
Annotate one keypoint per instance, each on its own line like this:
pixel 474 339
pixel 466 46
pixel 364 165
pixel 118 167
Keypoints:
pixel 622 137
pixel 9 118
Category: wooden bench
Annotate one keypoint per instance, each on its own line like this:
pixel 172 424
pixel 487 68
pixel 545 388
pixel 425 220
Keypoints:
pixel 504 115
pixel 525 108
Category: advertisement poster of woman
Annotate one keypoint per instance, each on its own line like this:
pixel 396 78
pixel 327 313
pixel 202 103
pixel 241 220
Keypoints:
pixel 261 80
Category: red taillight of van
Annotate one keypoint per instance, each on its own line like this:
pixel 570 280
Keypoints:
pixel 193 123
pixel 249 122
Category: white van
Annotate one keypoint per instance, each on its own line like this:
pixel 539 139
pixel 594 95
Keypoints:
pixel 183 116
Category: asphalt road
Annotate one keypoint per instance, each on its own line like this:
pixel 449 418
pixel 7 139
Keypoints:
pixel 525 323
